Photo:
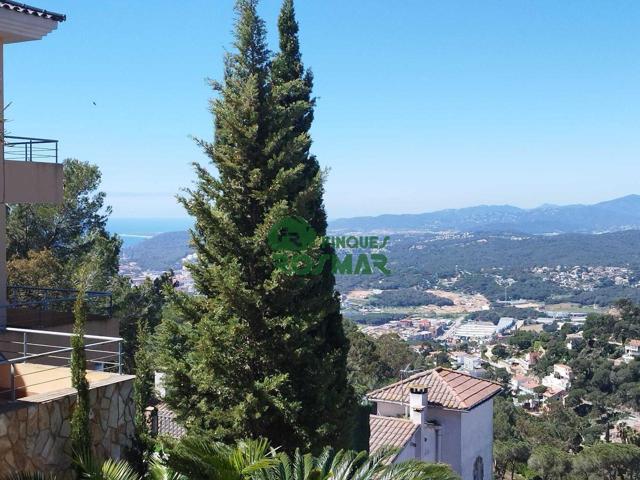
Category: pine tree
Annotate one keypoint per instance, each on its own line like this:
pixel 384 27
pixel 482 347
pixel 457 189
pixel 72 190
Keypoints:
pixel 80 433
pixel 260 352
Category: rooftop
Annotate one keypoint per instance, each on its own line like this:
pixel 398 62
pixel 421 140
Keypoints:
pixel 447 388
pixel 29 10
pixel 528 383
pixel 389 432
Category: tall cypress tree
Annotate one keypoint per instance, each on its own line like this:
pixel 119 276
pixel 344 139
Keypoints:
pixel 318 370
pixel 260 352
pixel 80 430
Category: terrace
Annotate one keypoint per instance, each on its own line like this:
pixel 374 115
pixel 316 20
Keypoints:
pixel 29 149
pixel 35 347
pixel 40 365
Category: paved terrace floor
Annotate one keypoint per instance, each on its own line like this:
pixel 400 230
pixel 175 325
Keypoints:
pixel 34 379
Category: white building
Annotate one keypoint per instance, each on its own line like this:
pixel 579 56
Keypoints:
pixel 475 331
pixel 438 416
pixel 505 323
pixel 632 349
pixel 573 340
pixel 560 379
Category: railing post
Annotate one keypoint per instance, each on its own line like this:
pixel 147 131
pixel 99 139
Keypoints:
pixel 13 382
pixel 120 357
pixel 24 346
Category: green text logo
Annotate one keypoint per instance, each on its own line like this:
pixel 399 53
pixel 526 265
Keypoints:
pixel 291 238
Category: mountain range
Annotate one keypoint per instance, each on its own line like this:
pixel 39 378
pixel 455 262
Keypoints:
pixel 166 250
pixel 610 216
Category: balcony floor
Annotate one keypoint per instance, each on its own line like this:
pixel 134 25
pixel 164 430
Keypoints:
pixel 35 379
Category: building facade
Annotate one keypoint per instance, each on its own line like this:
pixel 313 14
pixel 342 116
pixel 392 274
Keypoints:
pixel 441 416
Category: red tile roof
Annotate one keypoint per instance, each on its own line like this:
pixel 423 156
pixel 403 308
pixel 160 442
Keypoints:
pixel 389 432
pixel 167 424
pixel 38 12
pixel 446 388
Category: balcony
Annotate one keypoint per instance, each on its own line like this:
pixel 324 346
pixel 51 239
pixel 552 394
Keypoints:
pixel 52 309
pixel 35 347
pixel 31 172
pixel 38 362
pixel 28 149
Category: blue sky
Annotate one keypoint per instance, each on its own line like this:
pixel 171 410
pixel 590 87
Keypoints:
pixel 423 105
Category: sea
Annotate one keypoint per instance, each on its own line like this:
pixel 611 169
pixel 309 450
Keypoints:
pixel 136 230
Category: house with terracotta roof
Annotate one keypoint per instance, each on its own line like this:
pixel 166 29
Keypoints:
pixel 439 415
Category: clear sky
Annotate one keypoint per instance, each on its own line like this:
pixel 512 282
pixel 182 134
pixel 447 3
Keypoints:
pixel 422 105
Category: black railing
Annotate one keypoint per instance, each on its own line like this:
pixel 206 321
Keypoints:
pixel 30 149
pixel 57 299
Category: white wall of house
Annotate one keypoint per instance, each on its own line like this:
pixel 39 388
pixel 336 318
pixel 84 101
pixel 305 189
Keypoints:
pixel 388 409
pixel 458 440
pixel 409 452
pixel 477 440
pixel 450 436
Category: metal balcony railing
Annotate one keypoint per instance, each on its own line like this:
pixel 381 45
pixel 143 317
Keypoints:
pixel 50 360
pixel 56 299
pixel 30 149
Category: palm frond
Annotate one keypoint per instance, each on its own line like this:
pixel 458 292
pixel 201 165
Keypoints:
pixel 118 470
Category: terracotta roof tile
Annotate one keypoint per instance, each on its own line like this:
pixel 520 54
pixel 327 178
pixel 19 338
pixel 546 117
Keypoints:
pixel 38 12
pixel 447 388
pixel 167 424
pixel 389 432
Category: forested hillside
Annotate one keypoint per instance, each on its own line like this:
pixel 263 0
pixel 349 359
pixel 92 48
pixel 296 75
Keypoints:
pixel 477 260
pixel 162 252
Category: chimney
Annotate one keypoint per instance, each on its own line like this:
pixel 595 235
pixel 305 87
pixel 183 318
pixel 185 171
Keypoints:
pixel 418 404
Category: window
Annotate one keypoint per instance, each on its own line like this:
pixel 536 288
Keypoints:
pixel 478 469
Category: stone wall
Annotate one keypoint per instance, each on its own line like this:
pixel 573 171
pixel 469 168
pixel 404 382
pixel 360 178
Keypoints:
pixel 34 431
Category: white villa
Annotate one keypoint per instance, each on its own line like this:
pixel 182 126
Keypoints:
pixel 560 379
pixel 440 415
pixel 632 350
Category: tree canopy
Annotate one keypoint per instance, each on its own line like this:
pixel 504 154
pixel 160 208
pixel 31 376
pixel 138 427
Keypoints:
pixel 258 352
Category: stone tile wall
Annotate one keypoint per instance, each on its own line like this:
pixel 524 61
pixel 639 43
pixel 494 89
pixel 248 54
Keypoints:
pixel 34 431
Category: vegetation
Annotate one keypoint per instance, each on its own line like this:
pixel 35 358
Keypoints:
pixel 558 444
pixel 143 391
pixel 194 459
pixel 59 240
pixel 260 352
pixel 80 432
pixel 406 297
pixel 164 251
pixel 565 441
pixel 136 303
pixel 375 362
pixel 498 311
pixel 482 257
